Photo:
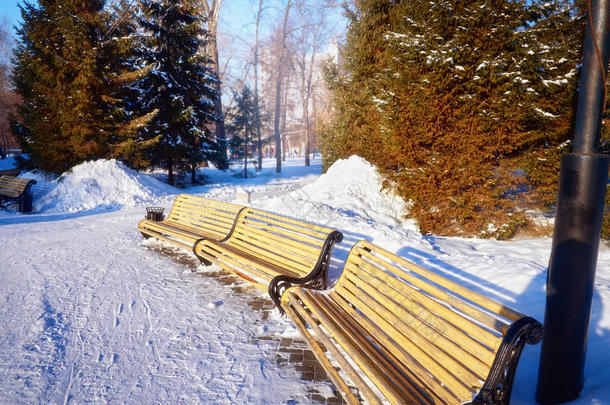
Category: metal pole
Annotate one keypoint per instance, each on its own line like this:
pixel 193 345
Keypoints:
pixel 580 205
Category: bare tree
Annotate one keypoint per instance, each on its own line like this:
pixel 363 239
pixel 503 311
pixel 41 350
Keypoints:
pixel 211 9
pixel 8 98
pixel 259 143
pixel 311 39
pixel 278 93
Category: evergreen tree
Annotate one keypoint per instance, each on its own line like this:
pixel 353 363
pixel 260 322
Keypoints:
pixel 178 85
pixel 71 78
pixel 243 118
pixel 469 104
pixel 122 49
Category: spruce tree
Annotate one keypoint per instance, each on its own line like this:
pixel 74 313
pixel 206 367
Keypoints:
pixel 178 85
pixel 128 120
pixel 243 122
pixel 71 77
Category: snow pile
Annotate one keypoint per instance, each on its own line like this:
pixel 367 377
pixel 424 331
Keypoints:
pixel 351 187
pixel 100 184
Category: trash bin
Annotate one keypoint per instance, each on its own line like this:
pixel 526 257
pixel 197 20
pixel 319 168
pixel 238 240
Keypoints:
pixel 154 213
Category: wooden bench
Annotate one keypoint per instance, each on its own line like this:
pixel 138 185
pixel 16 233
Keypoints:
pixel 191 219
pixel 16 190
pixel 404 334
pixel 264 245
pixel 10 172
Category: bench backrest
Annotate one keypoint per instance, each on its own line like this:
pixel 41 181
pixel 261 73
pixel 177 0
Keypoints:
pixel 213 217
pixel 451 334
pixel 291 244
pixel 14 186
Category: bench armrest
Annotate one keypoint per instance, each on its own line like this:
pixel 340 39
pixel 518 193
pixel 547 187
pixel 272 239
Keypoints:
pixel 498 385
pixel 316 279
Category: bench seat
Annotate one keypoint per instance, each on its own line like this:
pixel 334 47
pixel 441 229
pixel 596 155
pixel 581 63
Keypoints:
pixel 265 245
pixel 403 334
pixel 191 219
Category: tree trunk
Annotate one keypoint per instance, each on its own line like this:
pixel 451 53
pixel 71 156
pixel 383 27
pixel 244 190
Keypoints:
pixel 278 94
pixel 170 171
pixel 246 155
pixel 284 125
pixel 308 129
pixel 220 122
pixel 276 122
pixel 212 9
pixel 306 103
pixel 259 143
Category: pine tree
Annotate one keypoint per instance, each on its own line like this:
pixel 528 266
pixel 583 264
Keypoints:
pixel 178 85
pixel 71 76
pixel 243 122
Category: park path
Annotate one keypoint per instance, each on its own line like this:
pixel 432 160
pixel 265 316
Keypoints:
pixel 94 314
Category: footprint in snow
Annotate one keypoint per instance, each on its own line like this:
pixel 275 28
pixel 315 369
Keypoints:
pixel 216 304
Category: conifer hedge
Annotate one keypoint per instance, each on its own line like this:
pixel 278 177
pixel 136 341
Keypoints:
pixel 465 106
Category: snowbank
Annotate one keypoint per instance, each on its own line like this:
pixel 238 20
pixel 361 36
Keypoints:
pixel 352 187
pixel 100 184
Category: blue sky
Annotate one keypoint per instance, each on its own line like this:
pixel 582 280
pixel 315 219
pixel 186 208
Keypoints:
pixel 237 16
pixel 10 11
pixel 238 10
pixel 236 26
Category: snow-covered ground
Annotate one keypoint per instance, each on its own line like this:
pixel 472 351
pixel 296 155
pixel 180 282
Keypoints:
pixel 7 164
pixel 92 313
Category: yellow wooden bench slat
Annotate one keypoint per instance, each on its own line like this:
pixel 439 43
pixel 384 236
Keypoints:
pixel 274 258
pixel 170 228
pixel 176 233
pixel 328 366
pixel 264 245
pixel 409 324
pixel 441 292
pixel 215 228
pixel 306 228
pixel 424 352
pixel 256 234
pixel 399 380
pixel 433 302
pixel 425 319
pixel 413 376
pixel 240 257
pixel 285 236
pixel 404 334
pixel 275 246
pixel 475 297
pixel 193 218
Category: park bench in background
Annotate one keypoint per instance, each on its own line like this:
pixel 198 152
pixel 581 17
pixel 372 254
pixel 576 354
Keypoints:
pixel 191 219
pixel 10 172
pixel 403 334
pixel 16 191
pixel 264 245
